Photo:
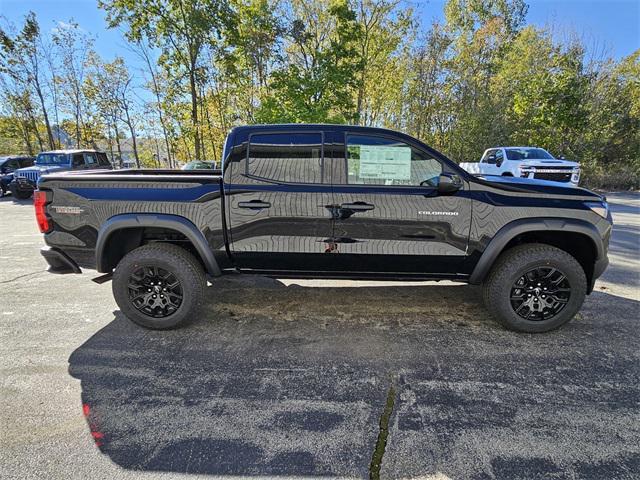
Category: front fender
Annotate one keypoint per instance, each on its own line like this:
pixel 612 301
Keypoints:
pixel 524 225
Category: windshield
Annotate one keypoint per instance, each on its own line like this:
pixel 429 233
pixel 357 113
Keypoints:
pixel 528 154
pixel 199 166
pixel 52 159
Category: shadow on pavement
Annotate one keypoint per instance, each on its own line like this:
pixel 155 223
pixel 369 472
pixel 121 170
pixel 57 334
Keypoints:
pixel 276 380
pixel 16 201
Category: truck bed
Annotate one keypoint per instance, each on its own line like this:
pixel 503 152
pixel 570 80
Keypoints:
pixel 82 203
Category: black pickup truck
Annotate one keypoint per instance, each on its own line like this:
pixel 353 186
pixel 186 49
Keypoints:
pixel 326 201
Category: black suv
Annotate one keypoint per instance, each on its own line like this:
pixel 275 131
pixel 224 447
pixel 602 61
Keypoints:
pixel 8 165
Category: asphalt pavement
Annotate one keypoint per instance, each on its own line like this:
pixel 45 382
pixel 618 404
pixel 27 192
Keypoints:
pixel 308 379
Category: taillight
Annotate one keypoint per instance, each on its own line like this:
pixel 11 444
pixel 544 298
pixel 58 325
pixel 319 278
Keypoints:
pixel 40 201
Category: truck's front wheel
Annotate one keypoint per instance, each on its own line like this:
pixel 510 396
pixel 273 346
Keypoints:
pixel 535 288
pixel 159 286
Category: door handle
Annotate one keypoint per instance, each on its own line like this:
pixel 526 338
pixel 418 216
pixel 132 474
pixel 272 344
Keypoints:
pixel 254 204
pixel 357 206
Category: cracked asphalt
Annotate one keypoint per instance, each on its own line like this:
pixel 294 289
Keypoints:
pixel 290 379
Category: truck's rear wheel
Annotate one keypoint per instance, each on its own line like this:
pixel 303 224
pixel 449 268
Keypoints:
pixel 535 288
pixel 159 286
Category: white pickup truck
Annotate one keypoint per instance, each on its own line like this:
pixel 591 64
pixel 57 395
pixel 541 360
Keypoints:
pixel 525 162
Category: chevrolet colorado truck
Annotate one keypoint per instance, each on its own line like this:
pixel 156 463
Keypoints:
pixel 326 201
pixel 525 162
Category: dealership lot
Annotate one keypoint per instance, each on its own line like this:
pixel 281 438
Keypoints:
pixel 295 378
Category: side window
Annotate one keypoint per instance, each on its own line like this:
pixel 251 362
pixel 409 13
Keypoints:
pixel 90 160
pixel 78 160
pixel 286 157
pixel 499 157
pixel 490 157
pixel 103 161
pixel 11 165
pixel 485 158
pixel 373 160
pixel 26 162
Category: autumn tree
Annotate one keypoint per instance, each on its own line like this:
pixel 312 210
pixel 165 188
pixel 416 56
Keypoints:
pixel 183 30
pixel 319 76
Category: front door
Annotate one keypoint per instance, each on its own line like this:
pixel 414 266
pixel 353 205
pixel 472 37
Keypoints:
pixel 388 214
pixel 277 200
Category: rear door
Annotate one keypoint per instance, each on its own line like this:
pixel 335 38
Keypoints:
pixel 389 216
pixel 277 196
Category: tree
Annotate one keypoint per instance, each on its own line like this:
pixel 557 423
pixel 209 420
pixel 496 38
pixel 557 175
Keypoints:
pixel 383 47
pixel 183 30
pixel 22 60
pixel 74 48
pixel 318 81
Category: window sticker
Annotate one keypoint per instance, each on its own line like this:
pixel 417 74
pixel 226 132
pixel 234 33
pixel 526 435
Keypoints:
pixel 379 162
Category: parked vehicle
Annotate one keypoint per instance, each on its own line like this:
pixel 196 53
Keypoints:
pixel 25 179
pixel 327 201
pixel 199 165
pixel 8 165
pixel 525 162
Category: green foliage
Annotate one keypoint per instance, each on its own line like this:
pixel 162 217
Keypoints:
pixel 481 78
pixel 319 80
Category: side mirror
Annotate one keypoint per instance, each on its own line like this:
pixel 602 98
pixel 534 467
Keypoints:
pixel 499 163
pixel 449 183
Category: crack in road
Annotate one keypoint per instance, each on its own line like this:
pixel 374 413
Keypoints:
pixel 21 276
pixel 381 443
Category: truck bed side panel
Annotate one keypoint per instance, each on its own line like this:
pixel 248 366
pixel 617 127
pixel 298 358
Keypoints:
pixel 80 206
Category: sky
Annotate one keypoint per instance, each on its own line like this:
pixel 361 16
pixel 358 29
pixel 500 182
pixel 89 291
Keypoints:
pixel 609 26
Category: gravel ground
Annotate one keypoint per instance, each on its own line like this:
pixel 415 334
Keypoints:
pixel 294 379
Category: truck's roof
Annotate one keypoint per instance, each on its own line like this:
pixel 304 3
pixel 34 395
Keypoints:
pixel 313 126
pixel 512 147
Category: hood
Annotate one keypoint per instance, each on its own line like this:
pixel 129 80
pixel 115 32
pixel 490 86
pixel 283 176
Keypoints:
pixel 545 162
pixel 42 169
pixel 538 186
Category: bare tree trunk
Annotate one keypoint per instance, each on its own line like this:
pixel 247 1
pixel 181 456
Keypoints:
pixel 133 135
pixel 25 137
pixel 156 90
pixel 44 114
pixel 194 112
pixel 115 126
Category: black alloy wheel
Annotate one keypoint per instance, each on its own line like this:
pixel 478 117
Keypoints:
pixel 540 293
pixel 159 286
pixel 535 288
pixel 154 291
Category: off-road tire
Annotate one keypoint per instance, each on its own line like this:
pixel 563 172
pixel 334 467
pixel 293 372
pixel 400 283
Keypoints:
pixel 3 191
pixel 170 258
pixel 511 265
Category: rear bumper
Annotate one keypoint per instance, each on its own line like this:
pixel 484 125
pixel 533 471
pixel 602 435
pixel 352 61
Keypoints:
pixel 59 262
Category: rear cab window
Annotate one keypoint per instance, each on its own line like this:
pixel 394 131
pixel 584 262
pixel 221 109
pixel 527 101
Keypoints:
pixel 295 157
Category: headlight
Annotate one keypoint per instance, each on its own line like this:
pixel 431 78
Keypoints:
pixel 601 208
pixel 525 171
pixel 575 176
